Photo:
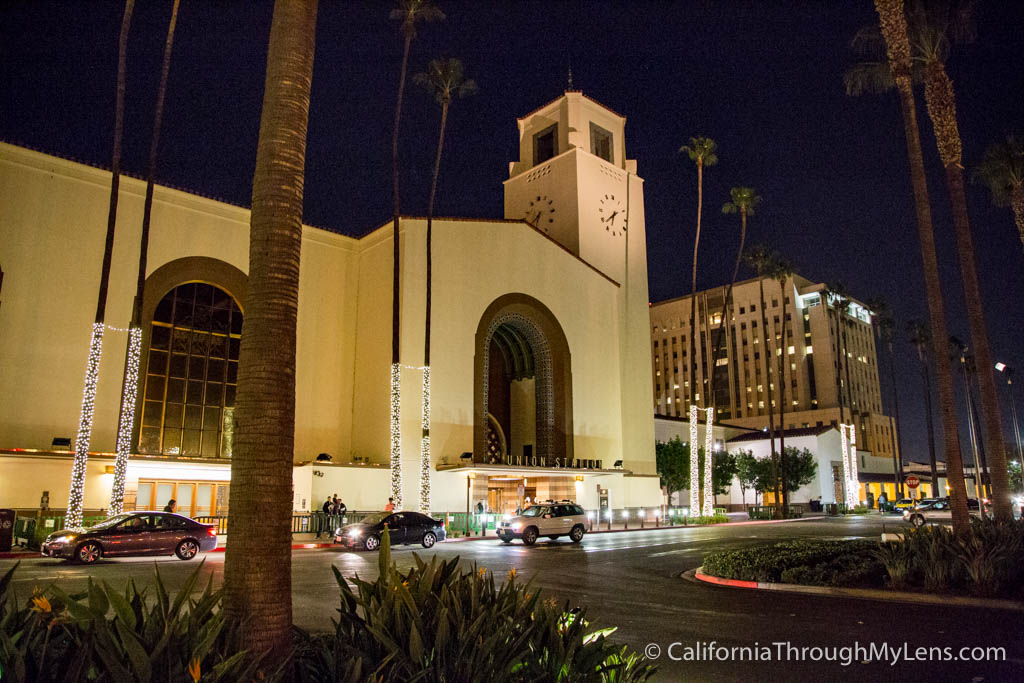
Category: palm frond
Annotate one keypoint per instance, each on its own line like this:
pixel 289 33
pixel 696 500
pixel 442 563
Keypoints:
pixel 869 78
pixel 869 42
pixel 1002 169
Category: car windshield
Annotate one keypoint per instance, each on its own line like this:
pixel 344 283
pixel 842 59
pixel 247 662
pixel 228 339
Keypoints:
pixel 534 511
pixel 107 523
pixel 375 518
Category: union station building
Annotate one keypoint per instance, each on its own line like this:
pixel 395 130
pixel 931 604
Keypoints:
pixel 541 343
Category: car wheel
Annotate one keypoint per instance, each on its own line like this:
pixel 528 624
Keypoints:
pixel 577 533
pixel 429 539
pixel 88 552
pixel 371 543
pixel 187 549
pixel 530 535
pixel 917 520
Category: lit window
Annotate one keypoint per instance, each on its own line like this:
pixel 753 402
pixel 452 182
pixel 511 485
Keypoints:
pixel 191 373
pixel 792 350
pixel 809 349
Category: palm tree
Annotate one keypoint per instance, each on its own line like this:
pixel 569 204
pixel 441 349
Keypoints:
pixel 894 30
pixel 702 152
pixel 408 12
pixel 935 26
pixel 257 569
pixel 884 325
pixel 1002 169
pixel 444 79
pixel 76 493
pixel 130 383
pixel 921 339
pixel 782 270
pixel 744 199
pixel 760 258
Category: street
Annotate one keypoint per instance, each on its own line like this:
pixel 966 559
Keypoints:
pixel 631 580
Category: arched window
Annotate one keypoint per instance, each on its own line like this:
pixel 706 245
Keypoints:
pixel 191 373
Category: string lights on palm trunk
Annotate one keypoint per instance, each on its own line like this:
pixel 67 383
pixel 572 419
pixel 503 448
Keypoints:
pixel 854 478
pixel 76 494
pixel 709 442
pixel 425 446
pixel 694 465
pixel 396 434
pixel 126 421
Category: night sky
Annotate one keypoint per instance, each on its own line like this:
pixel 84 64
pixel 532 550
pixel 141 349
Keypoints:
pixel 764 79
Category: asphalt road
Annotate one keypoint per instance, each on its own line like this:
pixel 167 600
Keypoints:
pixel 631 580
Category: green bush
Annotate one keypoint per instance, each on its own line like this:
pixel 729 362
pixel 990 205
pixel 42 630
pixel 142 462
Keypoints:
pixel 437 622
pixel 767 563
pixel 987 561
pixel 118 635
pixel 434 622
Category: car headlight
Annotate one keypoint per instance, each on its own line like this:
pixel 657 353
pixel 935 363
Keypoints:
pixel 63 539
pixel 516 526
pixel 354 533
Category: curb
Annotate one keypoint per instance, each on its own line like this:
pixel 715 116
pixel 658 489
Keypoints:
pixel 697 576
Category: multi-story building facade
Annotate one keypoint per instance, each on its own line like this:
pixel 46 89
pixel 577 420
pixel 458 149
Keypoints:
pixel 743 376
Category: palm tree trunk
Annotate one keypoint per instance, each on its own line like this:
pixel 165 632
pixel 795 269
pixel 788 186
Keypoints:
pixel 130 381
pixel 783 361
pixel 395 402
pixel 76 493
pixel 692 360
pixel 257 568
pixel 926 375
pixel 425 419
pixel 839 396
pixel 849 390
pixel 941 105
pixel 771 411
pixel 894 29
pixel 897 440
pixel 727 304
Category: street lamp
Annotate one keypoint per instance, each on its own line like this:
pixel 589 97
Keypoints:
pixel 1008 371
pixel 962 350
pixel 470 476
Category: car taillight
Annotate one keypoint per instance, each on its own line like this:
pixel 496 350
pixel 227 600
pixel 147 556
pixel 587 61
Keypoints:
pixel 212 530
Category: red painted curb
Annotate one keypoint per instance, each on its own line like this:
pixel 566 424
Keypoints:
pixel 736 583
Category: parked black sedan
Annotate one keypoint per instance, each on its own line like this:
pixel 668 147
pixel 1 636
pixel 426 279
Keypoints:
pixel 403 527
pixel 133 533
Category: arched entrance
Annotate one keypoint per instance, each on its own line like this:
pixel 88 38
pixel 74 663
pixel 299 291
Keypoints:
pixel 522 386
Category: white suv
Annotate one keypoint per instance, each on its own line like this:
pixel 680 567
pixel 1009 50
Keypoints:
pixel 550 519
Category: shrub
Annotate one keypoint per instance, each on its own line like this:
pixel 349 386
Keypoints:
pixel 901 560
pixel 438 622
pixel 767 563
pixel 119 635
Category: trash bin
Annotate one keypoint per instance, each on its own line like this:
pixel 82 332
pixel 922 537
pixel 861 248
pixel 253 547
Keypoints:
pixel 832 509
pixel 6 530
pixel 24 531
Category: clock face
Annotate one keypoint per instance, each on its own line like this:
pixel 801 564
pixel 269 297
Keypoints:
pixel 612 214
pixel 540 212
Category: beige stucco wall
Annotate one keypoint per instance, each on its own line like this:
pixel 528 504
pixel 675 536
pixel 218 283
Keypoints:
pixel 52 228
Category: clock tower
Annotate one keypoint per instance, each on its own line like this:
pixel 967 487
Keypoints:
pixel 573 183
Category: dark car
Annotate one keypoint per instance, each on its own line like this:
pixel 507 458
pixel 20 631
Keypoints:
pixel 133 533
pixel 403 528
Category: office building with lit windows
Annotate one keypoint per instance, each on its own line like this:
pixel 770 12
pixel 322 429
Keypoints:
pixel 747 364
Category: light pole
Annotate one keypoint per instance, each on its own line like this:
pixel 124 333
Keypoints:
pixel 1008 371
pixel 470 476
pixel 962 351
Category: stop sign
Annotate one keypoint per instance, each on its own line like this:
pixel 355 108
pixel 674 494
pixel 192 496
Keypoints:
pixel 912 482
